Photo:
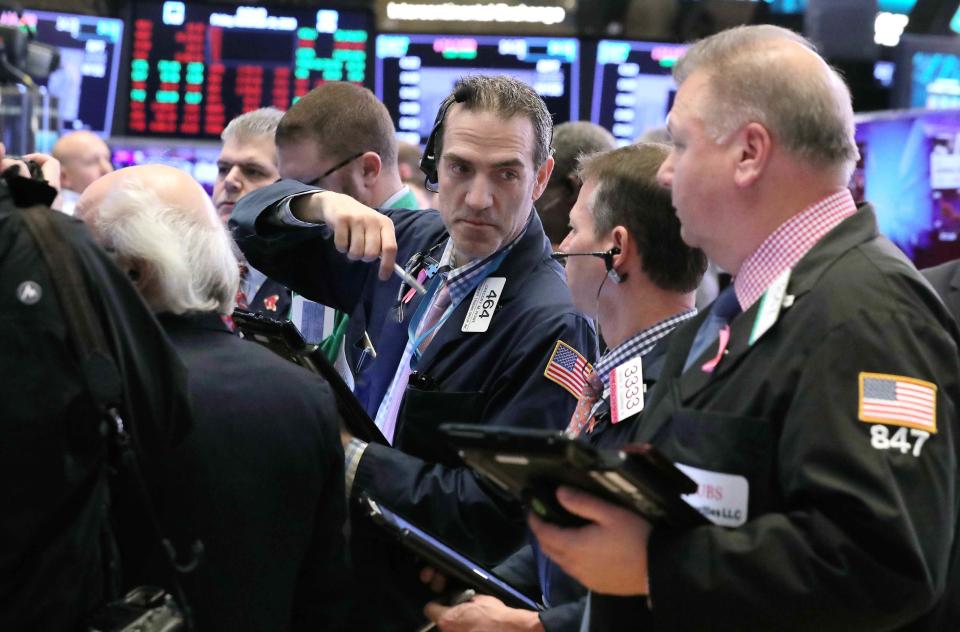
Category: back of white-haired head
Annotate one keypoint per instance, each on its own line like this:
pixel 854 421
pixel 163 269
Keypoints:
pixel 188 252
pixel 261 122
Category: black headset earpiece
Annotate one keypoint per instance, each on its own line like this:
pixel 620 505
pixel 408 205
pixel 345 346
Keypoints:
pixel 608 256
pixel 429 159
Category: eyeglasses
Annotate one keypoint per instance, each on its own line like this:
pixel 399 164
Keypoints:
pixel 339 165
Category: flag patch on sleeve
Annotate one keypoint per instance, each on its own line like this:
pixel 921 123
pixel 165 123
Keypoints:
pixel 898 400
pixel 567 368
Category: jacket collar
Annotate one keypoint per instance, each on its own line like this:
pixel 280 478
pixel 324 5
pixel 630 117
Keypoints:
pixel 850 233
pixel 532 250
pixel 193 321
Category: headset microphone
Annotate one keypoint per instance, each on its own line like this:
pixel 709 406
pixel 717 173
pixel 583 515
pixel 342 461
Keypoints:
pixel 606 255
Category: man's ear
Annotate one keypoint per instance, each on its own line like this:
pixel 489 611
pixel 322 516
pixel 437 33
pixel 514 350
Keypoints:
pixel 370 167
pixel 139 271
pixel 543 177
pixel 754 145
pixel 626 260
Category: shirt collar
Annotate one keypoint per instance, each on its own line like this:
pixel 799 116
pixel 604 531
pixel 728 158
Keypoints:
pixel 785 246
pixel 460 280
pixel 638 344
pixel 391 201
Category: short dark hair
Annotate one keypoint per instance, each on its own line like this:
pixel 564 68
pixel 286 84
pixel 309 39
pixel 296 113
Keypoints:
pixel 344 118
pixel 506 97
pixel 629 195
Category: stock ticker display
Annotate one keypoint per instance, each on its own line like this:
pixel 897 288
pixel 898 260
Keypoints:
pixel 414 72
pixel 194 67
pixel 632 86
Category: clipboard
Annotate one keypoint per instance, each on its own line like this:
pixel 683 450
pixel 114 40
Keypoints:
pixel 444 558
pixel 283 338
pixel 530 465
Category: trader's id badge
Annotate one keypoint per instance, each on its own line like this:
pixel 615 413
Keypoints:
pixel 626 390
pixel 485 299
pixel 772 301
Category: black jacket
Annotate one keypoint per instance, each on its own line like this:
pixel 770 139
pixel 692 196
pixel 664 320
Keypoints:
pixel 567 596
pixel 52 452
pixel 945 279
pixel 849 523
pixel 259 480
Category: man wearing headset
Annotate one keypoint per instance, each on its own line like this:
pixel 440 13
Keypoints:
pixel 496 339
pixel 628 268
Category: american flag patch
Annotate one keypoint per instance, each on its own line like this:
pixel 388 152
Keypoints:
pixel 897 400
pixel 567 368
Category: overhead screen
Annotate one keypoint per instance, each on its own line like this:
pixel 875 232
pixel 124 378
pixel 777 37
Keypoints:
pixel 414 72
pixel 194 66
pixel 928 72
pixel 86 82
pixel 632 86
pixel 909 170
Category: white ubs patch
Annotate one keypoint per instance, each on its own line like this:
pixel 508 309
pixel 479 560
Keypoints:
pixel 721 498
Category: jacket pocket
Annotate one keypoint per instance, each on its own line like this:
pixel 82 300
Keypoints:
pixel 424 411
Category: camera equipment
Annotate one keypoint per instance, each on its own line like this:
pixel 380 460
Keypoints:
pixel 143 609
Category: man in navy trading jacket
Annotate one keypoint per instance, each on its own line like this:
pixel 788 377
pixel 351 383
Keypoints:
pixel 815 403
pixel 496 339
pixel 628 268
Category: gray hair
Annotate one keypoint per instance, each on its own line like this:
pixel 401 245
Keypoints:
pixel 506 97
pixel 262 122
pixel 574 139
pixel 190 253
pixel 809 113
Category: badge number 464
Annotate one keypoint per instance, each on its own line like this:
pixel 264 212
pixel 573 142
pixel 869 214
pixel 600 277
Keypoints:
pixel 901 439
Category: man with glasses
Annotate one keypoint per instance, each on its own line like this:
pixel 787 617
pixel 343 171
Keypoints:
pixel 339 137
pixel 495 340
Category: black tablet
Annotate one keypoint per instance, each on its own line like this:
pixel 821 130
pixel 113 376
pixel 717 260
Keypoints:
pixel 531 464
pixel 444 558
pixel 283 338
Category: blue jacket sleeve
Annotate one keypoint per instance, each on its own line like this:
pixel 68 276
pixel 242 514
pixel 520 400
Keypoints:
pixel 454 503
pixel 303 259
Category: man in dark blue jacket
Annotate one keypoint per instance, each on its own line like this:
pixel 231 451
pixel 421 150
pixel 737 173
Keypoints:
pixel 496 339
pixel 628 268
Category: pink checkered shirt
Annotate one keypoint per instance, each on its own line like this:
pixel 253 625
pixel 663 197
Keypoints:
pixel 787 244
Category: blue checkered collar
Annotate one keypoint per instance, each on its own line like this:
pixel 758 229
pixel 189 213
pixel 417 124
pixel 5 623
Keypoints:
pixel 637 345
pixel 462 280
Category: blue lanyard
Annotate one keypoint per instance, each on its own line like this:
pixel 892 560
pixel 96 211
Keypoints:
pixel 428 301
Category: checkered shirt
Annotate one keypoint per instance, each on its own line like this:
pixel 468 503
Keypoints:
pixel 460 282
pixel 788 244
pixel 637 345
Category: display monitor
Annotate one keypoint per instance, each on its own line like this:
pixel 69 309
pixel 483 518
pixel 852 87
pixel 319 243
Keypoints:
pixel 194 67
pixel 414 72
pixel 198 158
pixel 632 86
pixel 909 170
pixel 86 82
pixel 928 72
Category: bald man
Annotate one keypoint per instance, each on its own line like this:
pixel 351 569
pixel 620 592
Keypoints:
pixel 259 480
pixel 815 403
pixel 83 157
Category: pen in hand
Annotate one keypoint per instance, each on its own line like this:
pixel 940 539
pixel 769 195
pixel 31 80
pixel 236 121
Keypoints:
pixel 458 599
pixel 409 279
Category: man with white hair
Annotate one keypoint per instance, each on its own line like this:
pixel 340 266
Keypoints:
pixel 815 403
pixel 259 480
